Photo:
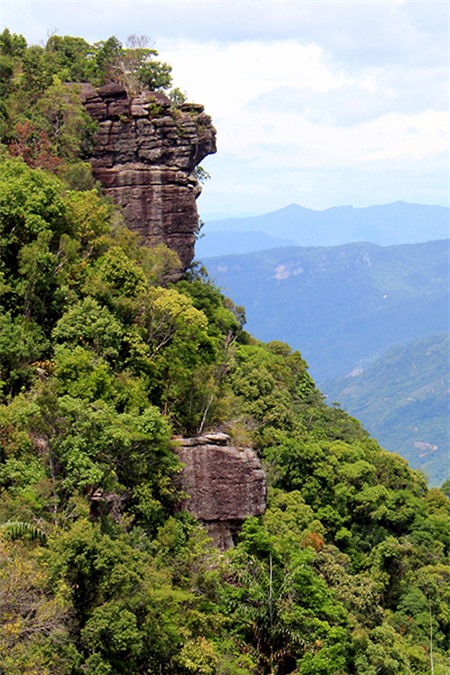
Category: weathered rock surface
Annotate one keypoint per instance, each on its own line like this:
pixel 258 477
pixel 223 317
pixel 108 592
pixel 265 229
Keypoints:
pixel 145 155
pixel 225 484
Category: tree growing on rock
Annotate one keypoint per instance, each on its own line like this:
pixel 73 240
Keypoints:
pixel 135 66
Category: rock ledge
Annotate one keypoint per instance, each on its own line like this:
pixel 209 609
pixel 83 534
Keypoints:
pixel 145 155
pixel 225 484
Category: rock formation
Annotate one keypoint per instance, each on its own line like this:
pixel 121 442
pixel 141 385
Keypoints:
pixel 225 484
pixel 145 154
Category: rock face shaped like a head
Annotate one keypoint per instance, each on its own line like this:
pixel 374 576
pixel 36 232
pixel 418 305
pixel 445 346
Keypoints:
pixel 145 154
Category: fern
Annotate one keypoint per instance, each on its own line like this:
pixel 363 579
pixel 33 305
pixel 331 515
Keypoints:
pixel 17 529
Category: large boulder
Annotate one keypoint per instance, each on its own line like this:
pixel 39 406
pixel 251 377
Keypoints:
pixel 225 484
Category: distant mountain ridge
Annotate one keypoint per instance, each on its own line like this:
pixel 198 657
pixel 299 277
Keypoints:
pixel 402 398
pixel 344 305
pixel 340 304
pixel 385 224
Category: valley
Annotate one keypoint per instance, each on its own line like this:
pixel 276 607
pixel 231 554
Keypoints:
pixel 350 304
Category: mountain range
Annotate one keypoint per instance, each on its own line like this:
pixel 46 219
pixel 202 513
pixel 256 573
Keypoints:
pixel 384 224
pixel 347 305
pixel 339 305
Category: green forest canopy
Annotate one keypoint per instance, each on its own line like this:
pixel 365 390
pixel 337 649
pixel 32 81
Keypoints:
pixel 102 361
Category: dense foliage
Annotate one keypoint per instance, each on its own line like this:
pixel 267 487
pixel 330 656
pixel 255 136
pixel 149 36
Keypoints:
pixel 42 119
pixel 102 361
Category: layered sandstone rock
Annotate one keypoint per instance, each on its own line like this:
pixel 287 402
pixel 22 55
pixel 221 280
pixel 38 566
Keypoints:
pixel 145 155
pixel 225 484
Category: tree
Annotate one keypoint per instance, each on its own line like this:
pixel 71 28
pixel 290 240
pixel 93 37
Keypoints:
pixel 33 612
pixel 118 282
pixel 283 607
pixel 32 220
pixel 12 48
pixel 22 343
pixel 71 58
pixel 134 67
pixel 30 202
pixel 91 325
pixel 106 54
pixel 33 145
pixel 68 126
pixel 12 44
pixel 37 74
pixel 165 314
pixel 129 616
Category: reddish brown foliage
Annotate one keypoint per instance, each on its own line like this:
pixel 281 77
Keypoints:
pixel 314 540
pixel 34 147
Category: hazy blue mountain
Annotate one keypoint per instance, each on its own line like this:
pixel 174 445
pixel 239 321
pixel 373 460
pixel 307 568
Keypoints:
pixel 365 318
pixel 339 305
pixel 402 399
pixel 385 224
pixel 218 243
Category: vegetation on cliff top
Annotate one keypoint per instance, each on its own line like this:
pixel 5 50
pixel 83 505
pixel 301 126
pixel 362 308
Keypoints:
pixel 102 361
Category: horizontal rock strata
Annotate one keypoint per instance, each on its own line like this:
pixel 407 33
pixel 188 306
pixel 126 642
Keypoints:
pixel 145 155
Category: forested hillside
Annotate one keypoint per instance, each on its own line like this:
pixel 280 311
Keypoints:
pixel 378 296
pixel 103 361
pixel 402 398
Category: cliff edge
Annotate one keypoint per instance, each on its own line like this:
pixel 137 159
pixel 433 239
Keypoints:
pixel 145 154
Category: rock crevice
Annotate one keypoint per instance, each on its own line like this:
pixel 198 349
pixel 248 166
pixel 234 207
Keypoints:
pixel 145 154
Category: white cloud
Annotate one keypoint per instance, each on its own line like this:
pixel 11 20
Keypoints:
pixel 353 33
pixel 264 137
pixel 358 101
pixel 411 138
pixel 230 75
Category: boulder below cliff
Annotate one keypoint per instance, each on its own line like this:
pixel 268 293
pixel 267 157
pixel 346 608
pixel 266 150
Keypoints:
pixel 225 484
pixel 145 154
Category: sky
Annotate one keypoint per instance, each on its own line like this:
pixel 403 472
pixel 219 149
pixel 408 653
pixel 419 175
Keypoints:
pixel 318 103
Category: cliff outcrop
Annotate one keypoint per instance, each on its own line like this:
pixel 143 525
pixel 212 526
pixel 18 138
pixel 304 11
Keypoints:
pixel 145 154
pixel 225 484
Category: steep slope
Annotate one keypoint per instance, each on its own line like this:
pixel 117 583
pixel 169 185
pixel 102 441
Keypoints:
pixel 104 364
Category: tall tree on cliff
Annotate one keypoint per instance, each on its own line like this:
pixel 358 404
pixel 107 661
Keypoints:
pixel 135 66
